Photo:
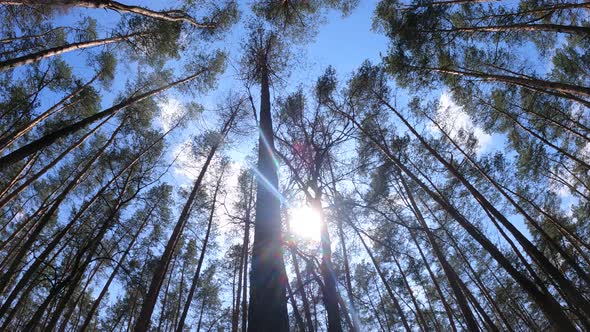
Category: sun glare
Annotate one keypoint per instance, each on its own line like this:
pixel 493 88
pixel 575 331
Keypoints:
pixel 305 222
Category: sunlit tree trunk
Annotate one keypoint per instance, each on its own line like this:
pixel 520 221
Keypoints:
pixel 268 305
pixel 38 56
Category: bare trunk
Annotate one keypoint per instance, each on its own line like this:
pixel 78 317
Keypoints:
pixel 330 292
pixel 246 247
pixel 268 305
pixel 36 57
pixel 169 15
pixel 106 286
pixel 569 29
pixel 572 295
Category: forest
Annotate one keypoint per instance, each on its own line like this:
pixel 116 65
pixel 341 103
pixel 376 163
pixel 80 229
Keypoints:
pixel 295 165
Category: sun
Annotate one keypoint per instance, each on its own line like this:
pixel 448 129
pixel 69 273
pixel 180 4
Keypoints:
pixel 305 222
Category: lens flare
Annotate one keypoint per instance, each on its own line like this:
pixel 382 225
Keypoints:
pixel 305 222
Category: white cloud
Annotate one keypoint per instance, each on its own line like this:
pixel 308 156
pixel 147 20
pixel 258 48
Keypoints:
pixel 170 111
pixel 453 118
pixel 585 153
pixel 186 164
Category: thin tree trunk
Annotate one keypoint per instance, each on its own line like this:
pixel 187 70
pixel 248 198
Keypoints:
pixel 419 314
pixel 572 295
pixel 166 292
pixel 329 290
pixel 452 277
pixel 168 15
pixel 376 311
pixel 196 277
pixel 567 257
pixel 14 193
pixel 246 247
pixel 301 288
pixel 90 250
pixel 569 29
pixel 355 319
pixel 38 56
pixel 296 313
pixel 56 239
pixel 236 313
pixel 565 90
pixel 480 283
pixel 448 309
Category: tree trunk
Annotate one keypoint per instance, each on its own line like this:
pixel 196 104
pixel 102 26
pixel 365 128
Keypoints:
pixel 14 193
pixel 567 257
pixel 448 309
pixel 480 283
pixel 301 288
pixel 296 313
pixel 569 29
pixel 195 279
pixel 572 295
pixel 90 250
pixel 452 277
pixel 169 15
pixel 268 305
pixel 354 316
pixel 246 247
pixel 564 89
pixel 38 56
pixel 57 238
pixel 330 292
pixel 236 313
pixel 419 315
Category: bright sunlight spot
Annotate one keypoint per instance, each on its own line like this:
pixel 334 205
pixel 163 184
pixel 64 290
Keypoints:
pixel 305 222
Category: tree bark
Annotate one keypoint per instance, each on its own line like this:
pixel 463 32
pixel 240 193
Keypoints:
pixel 38 56
pixel 530 83
pixel 168 15
pixel 268 305
pixel 246 246
pixel 14 193
pixel 330 292
pixel 57 238
pixel 569 29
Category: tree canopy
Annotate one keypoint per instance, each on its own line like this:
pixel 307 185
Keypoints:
pixel 226 166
